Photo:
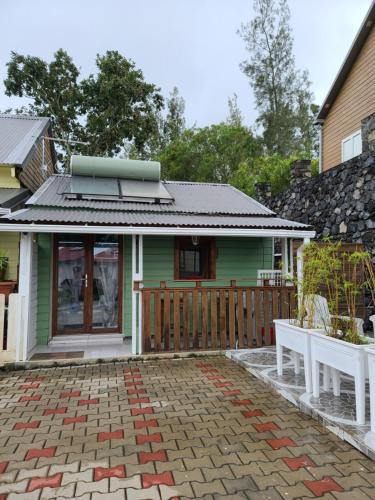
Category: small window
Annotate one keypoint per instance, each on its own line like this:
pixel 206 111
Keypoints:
pixel 195 258
pixel 351 146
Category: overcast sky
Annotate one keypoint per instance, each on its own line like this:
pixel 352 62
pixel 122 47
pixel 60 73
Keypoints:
pixel 192 44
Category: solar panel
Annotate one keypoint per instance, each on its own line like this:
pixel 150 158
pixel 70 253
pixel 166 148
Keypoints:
pixel 144 190
pixel 106 188
pixel 94 187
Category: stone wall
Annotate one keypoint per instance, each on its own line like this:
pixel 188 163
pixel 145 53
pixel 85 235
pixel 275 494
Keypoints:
pixel 339 203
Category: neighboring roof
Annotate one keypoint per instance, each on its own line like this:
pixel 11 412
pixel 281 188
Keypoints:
pixel 18 134
pixel 189 197
pixel 10 197
pixel 349 60
pixel 194 205
pixel 125 218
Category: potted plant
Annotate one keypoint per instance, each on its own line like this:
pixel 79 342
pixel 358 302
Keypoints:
pixel 295 334
pixel 341 346
pixel 3 264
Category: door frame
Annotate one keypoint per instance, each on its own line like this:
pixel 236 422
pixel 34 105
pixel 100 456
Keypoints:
pixel 88 241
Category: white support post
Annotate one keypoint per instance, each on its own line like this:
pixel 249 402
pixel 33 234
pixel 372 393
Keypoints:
pixel 284 257
pixel 137 275
pixel 291 263
pixel 300 250
pixel 24 291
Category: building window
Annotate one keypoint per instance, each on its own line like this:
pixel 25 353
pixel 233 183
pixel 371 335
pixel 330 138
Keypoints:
pixel 195 258
pixel 351 146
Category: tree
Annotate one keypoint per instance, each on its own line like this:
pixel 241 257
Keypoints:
pixel 209 154
pixel 106 110
pixel 174 123
pixel 282 93
pixel 235 116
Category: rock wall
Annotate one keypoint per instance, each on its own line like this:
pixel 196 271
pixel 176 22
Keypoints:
pixel 339 203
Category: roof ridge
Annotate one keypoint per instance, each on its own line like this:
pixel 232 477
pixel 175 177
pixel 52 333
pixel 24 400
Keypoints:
pixel 23 117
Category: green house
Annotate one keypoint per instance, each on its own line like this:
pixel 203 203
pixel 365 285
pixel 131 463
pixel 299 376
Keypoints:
pixel 115 261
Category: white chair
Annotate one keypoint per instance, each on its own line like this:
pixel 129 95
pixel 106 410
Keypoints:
pixel 322 316
pixel 372 318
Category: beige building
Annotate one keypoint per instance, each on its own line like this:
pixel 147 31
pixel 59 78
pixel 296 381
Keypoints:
pixel 350 99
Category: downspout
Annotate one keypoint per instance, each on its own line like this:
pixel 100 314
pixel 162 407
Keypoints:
pixel 320 123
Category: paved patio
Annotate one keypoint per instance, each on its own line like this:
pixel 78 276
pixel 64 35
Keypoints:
pixel 184 428
pixel 337 413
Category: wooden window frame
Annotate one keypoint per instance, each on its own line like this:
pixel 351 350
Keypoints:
pixel 209 270
pixel 88 240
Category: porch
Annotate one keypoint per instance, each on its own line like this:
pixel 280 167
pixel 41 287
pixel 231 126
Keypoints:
pixel 156 310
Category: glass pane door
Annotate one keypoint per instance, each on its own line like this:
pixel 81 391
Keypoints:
pixel 71 283
pixel 105 282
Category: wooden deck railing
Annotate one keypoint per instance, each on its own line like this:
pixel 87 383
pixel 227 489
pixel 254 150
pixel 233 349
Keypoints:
pixel 184 319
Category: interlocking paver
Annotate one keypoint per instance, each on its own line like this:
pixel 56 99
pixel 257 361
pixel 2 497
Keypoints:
pixel 166 429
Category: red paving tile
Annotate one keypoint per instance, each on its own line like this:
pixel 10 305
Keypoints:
pixel 223 384
pixel 325 485
pixel 144 424
pixel 296 463
pixel 37 483
pixel 266 426
pixel 134 383
pixel 157 456
pixel 3 467
pixel 74 420
pixel 133 401
pixel 83 402
pixel 70 394
pixel 165 478
pixel 136 391
pixel 131 370
pixel 3 496
pixel 101 472
pixel 130 376
pixel 26 425
pixel 26 387
pixel 280 443
pixel 40 452
pixel 234 392
pixel 253 413
pixel 215 377
pixel 34 378
pixel 141 411
pixel 55 411
pixel 105 436
pixel 242 402
pixel 148 438
pixel 37 397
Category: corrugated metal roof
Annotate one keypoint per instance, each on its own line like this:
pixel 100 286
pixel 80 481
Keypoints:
pixel 11 196
pixel 18 134
pixel 107 217
pixel 192 198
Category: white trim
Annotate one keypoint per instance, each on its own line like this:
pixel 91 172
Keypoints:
pixel 25 280
pixel 136 296
pixel 350 138
pixel 142 230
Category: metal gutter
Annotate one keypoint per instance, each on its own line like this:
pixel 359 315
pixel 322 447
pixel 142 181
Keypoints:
pixel 170 231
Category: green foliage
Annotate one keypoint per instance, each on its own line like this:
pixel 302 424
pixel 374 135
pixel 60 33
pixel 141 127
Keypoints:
pixel 106 110
pixel 339 274
pixel 3 259
pixel 282 94
pixel 210 154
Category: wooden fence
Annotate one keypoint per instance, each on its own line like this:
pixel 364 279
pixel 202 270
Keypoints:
pixel 200 318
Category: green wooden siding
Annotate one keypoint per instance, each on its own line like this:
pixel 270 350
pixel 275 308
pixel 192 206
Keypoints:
pixel 10 243
pixel 237 258
pixel 44 288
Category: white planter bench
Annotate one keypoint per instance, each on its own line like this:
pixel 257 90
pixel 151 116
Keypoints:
pixel 298 340
pixel 343 357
